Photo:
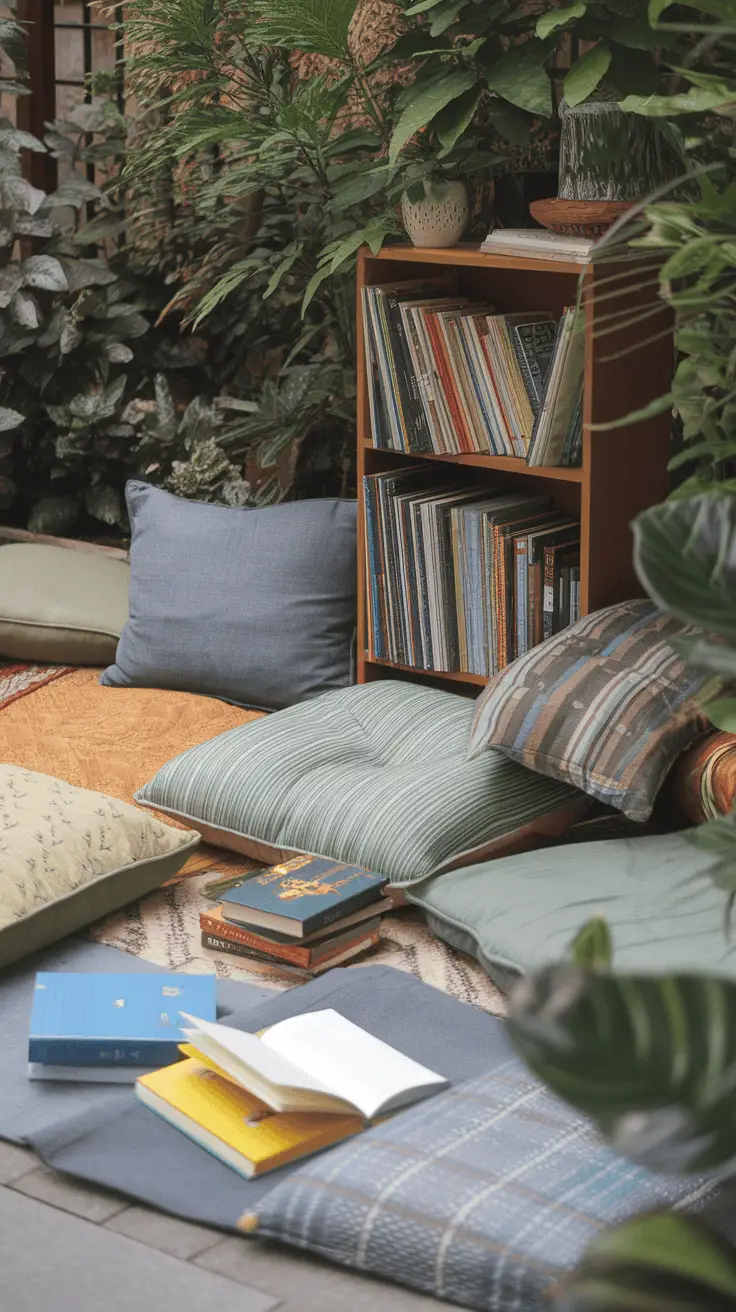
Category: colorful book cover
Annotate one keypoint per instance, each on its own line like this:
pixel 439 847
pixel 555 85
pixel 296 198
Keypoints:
pixel 534 345
pixel 302 895
pixel 110 1019
pixel 233 1124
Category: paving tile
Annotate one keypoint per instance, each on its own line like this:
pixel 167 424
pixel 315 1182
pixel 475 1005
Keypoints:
pixel 69 1194
pixel 60 1263
pixel 15 1162
pixel 166 1233
pixel 307 1284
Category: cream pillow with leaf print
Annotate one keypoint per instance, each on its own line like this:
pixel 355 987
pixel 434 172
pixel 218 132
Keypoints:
pixel 69 856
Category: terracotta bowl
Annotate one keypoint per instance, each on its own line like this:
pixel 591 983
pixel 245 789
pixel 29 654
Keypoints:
pixel 578 218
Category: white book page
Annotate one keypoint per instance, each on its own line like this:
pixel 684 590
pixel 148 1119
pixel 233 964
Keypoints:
pixel 238 1052
pixel 354 1065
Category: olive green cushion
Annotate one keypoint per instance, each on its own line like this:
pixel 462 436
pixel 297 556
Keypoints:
pixel 522 912
pixel 59 605
pixel 69 856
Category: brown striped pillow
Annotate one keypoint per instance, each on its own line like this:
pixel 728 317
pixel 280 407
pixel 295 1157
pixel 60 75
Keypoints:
pixel 606 705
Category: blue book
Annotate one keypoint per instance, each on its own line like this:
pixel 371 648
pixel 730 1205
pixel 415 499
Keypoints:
pixel 108 1020
pixel 301 896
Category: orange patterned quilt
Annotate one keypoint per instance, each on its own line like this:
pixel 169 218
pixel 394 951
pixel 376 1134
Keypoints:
pixel 109 739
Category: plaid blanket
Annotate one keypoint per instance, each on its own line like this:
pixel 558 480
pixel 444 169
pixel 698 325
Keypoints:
pixel 482 1196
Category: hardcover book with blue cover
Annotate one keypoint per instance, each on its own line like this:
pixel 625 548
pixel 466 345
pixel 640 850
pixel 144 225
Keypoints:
pixel 109 1020
pixel 301 895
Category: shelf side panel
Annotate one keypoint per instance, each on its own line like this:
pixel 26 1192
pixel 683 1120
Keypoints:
pixel 629 363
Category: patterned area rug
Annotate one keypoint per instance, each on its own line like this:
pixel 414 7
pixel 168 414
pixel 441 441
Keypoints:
pixel 164 928
pixel 17 681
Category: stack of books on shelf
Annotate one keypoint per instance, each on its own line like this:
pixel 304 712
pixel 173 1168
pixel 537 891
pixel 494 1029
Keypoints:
pixel 447 377
pixel 539 243
pixel 462 579
pixel 300 918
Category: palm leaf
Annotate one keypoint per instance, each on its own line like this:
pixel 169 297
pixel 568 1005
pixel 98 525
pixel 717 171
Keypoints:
pixel 318 27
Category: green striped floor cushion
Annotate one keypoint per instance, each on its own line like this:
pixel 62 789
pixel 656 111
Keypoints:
pixel 607 705
pixel 376 774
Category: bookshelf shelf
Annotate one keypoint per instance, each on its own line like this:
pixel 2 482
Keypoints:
pixel 445 676
pixel 505 464
pixel 629 361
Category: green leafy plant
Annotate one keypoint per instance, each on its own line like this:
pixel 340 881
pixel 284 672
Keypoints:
pixel 694 235
pixel 652 1059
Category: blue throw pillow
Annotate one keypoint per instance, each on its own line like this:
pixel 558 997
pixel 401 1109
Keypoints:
pixel 254 606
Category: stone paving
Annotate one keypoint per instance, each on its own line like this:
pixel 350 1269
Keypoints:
pixel 68 1247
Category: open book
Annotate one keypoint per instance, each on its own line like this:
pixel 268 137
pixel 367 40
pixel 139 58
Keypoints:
pixel 317 1062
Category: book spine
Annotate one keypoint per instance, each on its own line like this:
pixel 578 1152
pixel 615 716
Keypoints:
pixel 295 956
pixel 460 436
pixel 101 1052
pixel 374 571
pixel 415 423
pixel 535 632
pixel 411 318
pixel 353 903
pixel 548 623
pixel 375 400
pixel 503 428
pixel 216 943
pixel 526 373
pixel 521 595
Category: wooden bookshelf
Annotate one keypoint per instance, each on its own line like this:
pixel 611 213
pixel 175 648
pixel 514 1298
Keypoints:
pixel 629 361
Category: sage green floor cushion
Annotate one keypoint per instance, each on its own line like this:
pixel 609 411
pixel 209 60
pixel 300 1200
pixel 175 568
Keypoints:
pixel 376 774
pixel 521 913
pixel 61 606
pixel 69 856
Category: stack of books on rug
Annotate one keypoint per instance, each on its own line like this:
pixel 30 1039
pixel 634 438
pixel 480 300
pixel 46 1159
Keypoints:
pixel 255 1101
pixel 462 579
pixel 302 917
pixel 448 377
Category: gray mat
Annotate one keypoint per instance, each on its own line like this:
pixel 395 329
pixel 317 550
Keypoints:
pixel 28 1107
pixel 110 1140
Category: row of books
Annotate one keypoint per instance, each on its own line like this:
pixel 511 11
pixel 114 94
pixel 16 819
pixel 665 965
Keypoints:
pixel 462 579
pixel 447 376
pixel 255 1101
pixel 300 918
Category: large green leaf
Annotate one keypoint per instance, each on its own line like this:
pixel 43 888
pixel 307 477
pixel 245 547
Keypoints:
pixel 9 419
pixel 592 947
pixel 455 119
pixel 586 73
pixel 429 98
pixel 520 77
pixel 685 555
pixel 698 100
pixel 660 1262
pixel 561 17
pixel 651 1060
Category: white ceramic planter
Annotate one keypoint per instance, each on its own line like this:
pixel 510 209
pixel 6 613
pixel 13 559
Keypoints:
pixel 438 219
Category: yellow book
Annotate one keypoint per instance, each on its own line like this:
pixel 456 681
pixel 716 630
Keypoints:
pixel 234 1125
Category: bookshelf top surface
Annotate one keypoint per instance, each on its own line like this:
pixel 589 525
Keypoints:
pixel 468 255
